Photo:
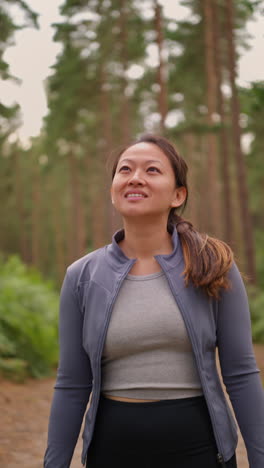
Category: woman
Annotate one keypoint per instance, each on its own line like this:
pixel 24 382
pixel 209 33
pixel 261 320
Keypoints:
pixel 140 321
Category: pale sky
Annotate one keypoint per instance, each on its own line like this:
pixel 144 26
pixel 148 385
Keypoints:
pixel 34 53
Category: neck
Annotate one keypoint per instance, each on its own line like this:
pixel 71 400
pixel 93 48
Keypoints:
pixel 143 241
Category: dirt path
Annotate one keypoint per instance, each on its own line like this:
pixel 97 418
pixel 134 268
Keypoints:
pixel 24 413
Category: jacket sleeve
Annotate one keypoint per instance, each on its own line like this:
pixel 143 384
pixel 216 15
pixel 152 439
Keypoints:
pixel 238 366
pixel 73 384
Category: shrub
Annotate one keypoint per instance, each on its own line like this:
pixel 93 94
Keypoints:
pixel 28 321
pixel 256 301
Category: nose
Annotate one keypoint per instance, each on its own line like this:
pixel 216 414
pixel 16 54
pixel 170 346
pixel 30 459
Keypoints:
pixel 136 177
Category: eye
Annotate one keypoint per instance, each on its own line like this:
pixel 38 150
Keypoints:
pixel 123 168
pixel 155 168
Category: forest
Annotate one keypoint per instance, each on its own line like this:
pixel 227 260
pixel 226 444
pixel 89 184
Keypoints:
pixel 125 69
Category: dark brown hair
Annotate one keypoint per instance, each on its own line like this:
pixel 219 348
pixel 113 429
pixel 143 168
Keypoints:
pixel 207 259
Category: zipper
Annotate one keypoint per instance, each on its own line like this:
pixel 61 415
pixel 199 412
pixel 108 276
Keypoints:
pixel 100 347
pixel 220 458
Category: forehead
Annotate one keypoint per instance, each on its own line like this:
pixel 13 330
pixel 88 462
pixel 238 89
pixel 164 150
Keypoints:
pixel 144 151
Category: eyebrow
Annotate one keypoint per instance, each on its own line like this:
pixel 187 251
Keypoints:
pixel 145 162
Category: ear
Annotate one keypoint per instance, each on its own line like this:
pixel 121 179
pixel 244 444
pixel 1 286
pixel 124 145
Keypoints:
pixel 179 197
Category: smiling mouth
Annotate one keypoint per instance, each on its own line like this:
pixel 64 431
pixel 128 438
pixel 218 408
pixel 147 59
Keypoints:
pixel 135 195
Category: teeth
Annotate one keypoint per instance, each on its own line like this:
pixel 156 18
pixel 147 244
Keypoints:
pixel 135 195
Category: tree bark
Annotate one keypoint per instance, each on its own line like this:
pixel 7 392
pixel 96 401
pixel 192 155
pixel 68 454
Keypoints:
pixel 161 71
pixel 36 217
pixel 215 212
pixel 125 108
pixel 20 198
pixel 102 213
pixel 189 139
pixel 224 147
pixel 246 222
pixel 77 247
pixel 57 222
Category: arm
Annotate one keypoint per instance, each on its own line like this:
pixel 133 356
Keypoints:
pixel 238 366
pixel 73 385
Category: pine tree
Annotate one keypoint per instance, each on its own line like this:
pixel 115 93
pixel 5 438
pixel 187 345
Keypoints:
pixel 246 221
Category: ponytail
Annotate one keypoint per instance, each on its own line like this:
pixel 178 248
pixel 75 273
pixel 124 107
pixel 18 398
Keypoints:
pixel 207 259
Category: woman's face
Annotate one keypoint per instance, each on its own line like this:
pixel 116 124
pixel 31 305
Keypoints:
pixel 144 183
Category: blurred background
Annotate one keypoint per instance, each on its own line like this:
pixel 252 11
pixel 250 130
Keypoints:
pixel 79 78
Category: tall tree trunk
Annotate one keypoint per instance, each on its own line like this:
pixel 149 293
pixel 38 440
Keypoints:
pixel 101 214
pixel 57 223
pixel 125 110
pixel 88 186
pixel 215 213
pixel 224 147
pixel 161 71
pixel 189 139
pixel 77 247
pixel 102 208
pixel 20 197
pixel 246 222
pixel 36 216
pixel 203 194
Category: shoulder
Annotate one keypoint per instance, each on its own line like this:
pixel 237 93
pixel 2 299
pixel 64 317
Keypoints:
pixel 81 269
pixel 235 277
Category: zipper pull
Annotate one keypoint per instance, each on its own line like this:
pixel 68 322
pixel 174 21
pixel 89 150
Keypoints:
pixel 220 460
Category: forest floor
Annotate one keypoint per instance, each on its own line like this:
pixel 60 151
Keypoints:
pixel 24 410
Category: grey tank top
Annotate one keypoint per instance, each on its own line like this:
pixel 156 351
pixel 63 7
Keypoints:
pixel 147 352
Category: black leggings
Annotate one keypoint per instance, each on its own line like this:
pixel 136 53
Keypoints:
pixel 163 434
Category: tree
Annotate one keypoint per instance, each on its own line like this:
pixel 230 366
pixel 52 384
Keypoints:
pixel 161 70
pixel 252 106
pixel 245 216
pixel 223 144
pixel 9 115
pixel 215 209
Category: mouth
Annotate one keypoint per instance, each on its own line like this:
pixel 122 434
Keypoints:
pixel 135 195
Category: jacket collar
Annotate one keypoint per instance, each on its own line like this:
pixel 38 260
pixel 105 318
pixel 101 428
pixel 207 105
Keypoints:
pixel 119 260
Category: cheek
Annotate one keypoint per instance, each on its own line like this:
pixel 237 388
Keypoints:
pixel 166 187
pixel 115 187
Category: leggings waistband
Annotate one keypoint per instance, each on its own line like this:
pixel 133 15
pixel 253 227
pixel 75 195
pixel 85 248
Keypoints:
pixel 178 402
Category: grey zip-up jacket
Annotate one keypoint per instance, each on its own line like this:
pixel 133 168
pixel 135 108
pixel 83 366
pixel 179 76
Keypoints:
pixel 88 294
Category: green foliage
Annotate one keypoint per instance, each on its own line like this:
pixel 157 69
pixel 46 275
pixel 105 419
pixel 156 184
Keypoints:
pixel 13 369
pixel 259 236
pixel 256 301
pixel 252 106
pixel 28 321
